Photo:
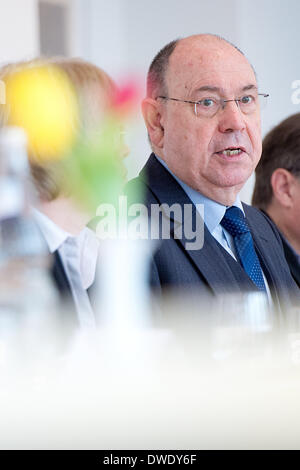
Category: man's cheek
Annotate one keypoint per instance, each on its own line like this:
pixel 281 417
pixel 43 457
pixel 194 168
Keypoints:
pixel 256 142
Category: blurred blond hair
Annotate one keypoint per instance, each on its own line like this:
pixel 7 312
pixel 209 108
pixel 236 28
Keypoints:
pixel 94 91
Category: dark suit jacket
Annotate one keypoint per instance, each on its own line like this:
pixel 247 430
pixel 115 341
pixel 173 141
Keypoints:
pixel 290 256
pixel 211 269
pixel 63 286
pixel 60 278
pixel 292 260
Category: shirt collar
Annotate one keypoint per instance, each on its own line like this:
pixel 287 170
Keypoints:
pixel 84 246
pixel 54 235
pixel 213 211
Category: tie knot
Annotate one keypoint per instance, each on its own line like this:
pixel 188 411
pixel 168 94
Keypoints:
pixel 234 221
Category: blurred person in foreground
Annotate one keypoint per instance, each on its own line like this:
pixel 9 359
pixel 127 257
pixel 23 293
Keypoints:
pixel 277 186
pixel 202 113
pixel 60 217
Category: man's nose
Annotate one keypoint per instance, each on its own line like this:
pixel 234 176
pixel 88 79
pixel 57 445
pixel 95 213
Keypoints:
pixel 231 118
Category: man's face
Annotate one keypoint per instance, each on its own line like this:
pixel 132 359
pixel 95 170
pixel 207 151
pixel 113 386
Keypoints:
pixel 193 145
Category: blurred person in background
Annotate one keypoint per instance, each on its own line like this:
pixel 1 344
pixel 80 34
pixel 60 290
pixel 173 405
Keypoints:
pixel 277 186
pixel 202 113
pixel 61 219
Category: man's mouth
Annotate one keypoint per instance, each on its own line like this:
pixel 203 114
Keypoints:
pixel 231 151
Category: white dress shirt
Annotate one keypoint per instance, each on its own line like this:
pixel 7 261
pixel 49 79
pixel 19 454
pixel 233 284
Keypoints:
pixel 79 258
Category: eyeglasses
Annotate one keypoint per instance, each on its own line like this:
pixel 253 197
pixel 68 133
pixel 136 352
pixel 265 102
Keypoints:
pixel 208 107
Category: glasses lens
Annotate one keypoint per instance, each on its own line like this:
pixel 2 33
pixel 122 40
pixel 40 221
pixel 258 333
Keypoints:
pixel 250 103
pixel 207 107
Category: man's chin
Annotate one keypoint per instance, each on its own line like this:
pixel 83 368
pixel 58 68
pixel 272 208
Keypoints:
pixel 236 177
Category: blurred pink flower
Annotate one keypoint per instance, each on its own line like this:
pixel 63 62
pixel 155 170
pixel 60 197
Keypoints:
pixel 126 97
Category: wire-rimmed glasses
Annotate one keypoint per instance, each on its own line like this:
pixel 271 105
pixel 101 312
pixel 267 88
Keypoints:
pixel 208 107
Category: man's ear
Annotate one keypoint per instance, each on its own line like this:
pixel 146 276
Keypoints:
pixel 282 182
pixel 152 117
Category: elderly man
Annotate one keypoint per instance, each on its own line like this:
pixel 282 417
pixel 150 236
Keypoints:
pixel 277 187
pixel 202 113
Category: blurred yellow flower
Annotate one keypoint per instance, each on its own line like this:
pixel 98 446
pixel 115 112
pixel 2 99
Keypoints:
pixel 42 101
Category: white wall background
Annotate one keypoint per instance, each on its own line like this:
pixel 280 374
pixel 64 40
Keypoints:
pixel 19 33
pixel 122 36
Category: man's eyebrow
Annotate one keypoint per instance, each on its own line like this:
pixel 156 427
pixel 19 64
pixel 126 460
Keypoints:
pixel 249 87
pixel 220 90
pixel 209 88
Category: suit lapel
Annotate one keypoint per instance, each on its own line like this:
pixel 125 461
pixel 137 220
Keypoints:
pixel 292 260
pixel 69 317
pixel 60 277
pixel 290 256
pixel 262 243
pixel 266 252
pixel 211 261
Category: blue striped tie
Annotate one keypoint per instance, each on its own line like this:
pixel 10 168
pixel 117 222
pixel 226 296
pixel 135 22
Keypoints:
pixel 235 223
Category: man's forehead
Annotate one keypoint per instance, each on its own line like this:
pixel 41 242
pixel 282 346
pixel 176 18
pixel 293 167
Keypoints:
pixel 205 45
pixel 196 65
